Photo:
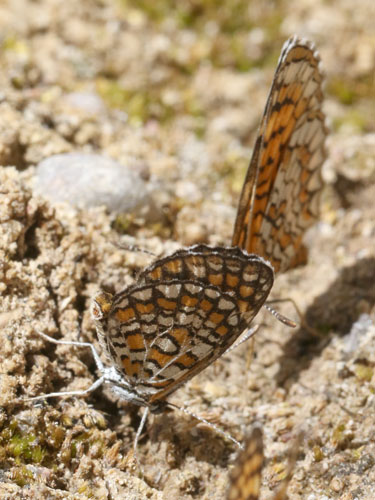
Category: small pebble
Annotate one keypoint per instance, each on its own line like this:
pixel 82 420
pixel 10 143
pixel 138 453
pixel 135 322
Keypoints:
pixel 86 101
pixel 90 180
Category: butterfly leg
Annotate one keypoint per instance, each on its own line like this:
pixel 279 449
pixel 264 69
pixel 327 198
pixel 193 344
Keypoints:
pixel 280 317
pixel 98 362
pixel 248 335
pixel 92 388
pixel 138 435
pixel 303 322
pixel 134 248
pixel 95 354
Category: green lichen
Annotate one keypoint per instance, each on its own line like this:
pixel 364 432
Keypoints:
pixel 22 476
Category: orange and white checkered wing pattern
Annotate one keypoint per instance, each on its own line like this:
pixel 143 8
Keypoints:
pixel 230 269
pixel 245 478
pixel 281 192
pixel 170 326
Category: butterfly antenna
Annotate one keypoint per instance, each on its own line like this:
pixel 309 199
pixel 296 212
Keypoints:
pixel 133 248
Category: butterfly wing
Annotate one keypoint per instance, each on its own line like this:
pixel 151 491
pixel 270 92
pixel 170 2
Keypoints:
pixel 161 334
pixel 280 196
pixel 245 478
pixel 230 269
pixel 166 329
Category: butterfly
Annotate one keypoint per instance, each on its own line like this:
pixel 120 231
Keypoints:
pixel 281 192
pixel 184 311
pixel 245 478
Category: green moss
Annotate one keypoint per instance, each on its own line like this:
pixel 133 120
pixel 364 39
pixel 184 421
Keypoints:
pixel 357 453
pixel 233 21
pixel 363 372
pixel 234 171
pixel 140 105
pixel 44 444
pixel 339 437
pixel 90 442
pixel 318 453
pixel 342 90
pixel 112 93
pixel 348 91
pixel 123 223
pixel 280 471
pixel 241 59
pixel 22 476
pixel 200 128
pixel 25 448
pixel 231 16
pixel 56 435
pixel 322 328
pixel 354 118
pixel 221 36
pixel 33 445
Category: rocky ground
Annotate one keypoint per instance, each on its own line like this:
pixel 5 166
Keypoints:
pixel 174 91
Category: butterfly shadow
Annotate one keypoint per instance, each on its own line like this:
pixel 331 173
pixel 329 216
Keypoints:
pixel 331 313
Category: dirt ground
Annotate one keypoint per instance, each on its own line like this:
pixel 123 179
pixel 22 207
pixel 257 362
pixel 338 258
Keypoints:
pixel 179 88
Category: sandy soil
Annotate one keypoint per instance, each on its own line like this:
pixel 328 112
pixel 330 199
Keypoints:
pixel 179 94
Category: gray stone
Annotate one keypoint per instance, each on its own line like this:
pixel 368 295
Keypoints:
pixel 86 101
pixel 90 180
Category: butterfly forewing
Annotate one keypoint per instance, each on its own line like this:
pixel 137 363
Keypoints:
pixel 280 196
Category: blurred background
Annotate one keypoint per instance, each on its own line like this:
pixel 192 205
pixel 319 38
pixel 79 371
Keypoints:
pixel 174 88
